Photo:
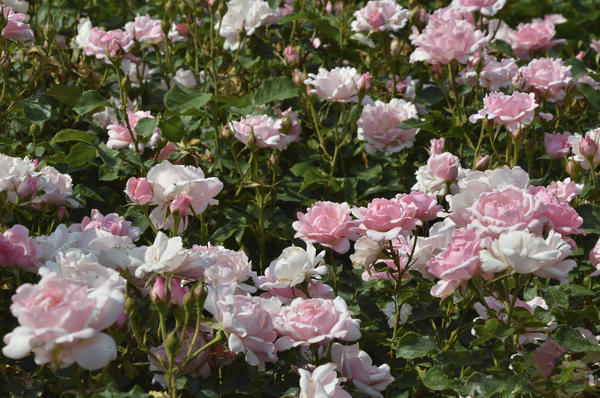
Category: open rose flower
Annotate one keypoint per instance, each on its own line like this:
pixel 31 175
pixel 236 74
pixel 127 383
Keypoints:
pixel 378 126
pixel 294 266
pixel 13 173
pixel 498 74
pixel 485 7
pixel 120 135
pixel 245 16
pixel 565 190
pixel 267 132
pixel 535 36
pixel 315 321
pixel 15 28
pixel 17 249
pixel 106 45
pixel 386 219
pixel 513 111
pixel 322 382
pixel 557 145
pixel 380 15
pixel 229 268
pixel 336 85
pixel 147 29
pixel 328 224
pixel 549 78
pixel 113 223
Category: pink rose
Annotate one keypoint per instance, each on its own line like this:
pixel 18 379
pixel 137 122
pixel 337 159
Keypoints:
pixel 184 78
pixel 16 28
pixel 322 382
pixel 291 55
pixel 440 170
pixel 557 145
pixel 595 258
pixel 268 132
pixel 558 215
pixel 60 321
pixel 485 7
pixel 120 135
pixel 535 36
pixel 328 224
pixel 147 29
pixel 439 44
pixel 447 15
pixel 548 78
pixel 112 223
pixel 17 249
pixel 336 85
pixel 229 268
pixel 316 289
pixel 437 146
pixel 106 45
pixel 386 219
pixel 357 366
pixel 176 291
pixel 512 111
pixel 585 149
pixel 197 367
pixel 139 191
pixel 28 188
pixel 181 204
pixel 315 321
pixel 378 126
pixel 382 15
pixel 496 75
pixel 510 209
pixel 427 205
pixel 565 190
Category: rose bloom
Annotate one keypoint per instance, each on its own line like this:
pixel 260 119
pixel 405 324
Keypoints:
pixel 340 84
pixel 565 190
pixel 322 382
pixel 511 209
pixel 535 36
pixel 184 78
pixel 316 289
pixel 294 266
pixel 139 191
pixel 458 40
pixel 378 126
pixel 57 187
pixel 380 15
pixel 526 253
pixel 427 205
pixel 512 111
pixel 498 74
pixel 558 215
pixel 577 145
pixel 248 322
pixel 357 366
pixel 17 249
pixel 549 78
pixel 557 145
pixel 434 177
pixel 16 28
pixel 314 321
pixel 245 15
pixel 113 223
pixel 366 252
pixel 326 223
pixel 229 268
pixel 595 258
pixel 268 132
pixel 61 321
pixel 485 7
pixel 147 29
pixel 458 263
pixel 119 135
pixel 105 45
pixel 13 173
pixel 386 219
pixel 446 15
pixel 197 367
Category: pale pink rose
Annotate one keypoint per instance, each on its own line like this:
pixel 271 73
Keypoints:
pixel 181 204
pixel 558 215
pixel 557 145
pixel 112 223
pixel 291 55
pixel 565 190
pixel 510 209
pixel 107 45
pixel 120 135
pixel 28 189
pixel 184 78
pixel 595 258
pixel 378 126
pixel 167 150
pixel 437 146
pixel 357 366
pixel 197 367
pixel 17 249
pixel 386 219
pixel 549 78
pixel 485 7
pixel 295 266
pixel 595 44
pixel 139 191
pixel 322 382
pixel 380 15
pixel 315 321
pixel 229 268
pixel 498 74
pixel 178 32
pixel 57 187
pixel 440 170
pixel 286 295
pixel 147 29
pixel 583 145
pixel 340 84
pixel 535 36
pixel 316 43
pixel 427 205
pixel 458 40
pixel 328 224
pixel 176 290
pixel 13 173
pixel 526 253
pixel 512 111
pixel 458 263
pixel 268 132
pixel 16 28
pixel 60 321
pixel 245 15
pixel 406 87
pixel 546 355
pixel 250 326
pixel 447 15
pixel 482 163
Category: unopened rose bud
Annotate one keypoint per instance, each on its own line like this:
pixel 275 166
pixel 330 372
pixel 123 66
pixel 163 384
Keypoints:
pixel 482 163
pixel 437 146
pixel 273 160
pixel 588 147
pixel 139 190
pixel 226 133
pixel 316 43
pixel 292 56
pixel 159 291
pixel 580 55
pixel 63 214
pixel 364 83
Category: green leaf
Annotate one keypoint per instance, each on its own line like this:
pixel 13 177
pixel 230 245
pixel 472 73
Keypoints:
pixel 146 126
pixel 430 95
pixel 239 102
pixel 37 109
pixel 81 190
pixel 67 135
pixel 294 16
pixel 571 339
pixel 171 128
pixel 69 95
pixel 80 154
pixel 556 296
pixel 275 89
pixel 578 68
pixel 90 101
pixel 412 345
pixel 299 169
pixel 590 94
pixel 183 100
pixel 436 379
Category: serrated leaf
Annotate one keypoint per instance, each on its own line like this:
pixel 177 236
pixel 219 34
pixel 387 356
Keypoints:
pixel 171 128
pixel 183 100
pixel 90 101
pixel 67 135
pixel 572 340
pixel 275 89
pixel 80 154
pixel 412 345
pixel 436 379
pixel 145 127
